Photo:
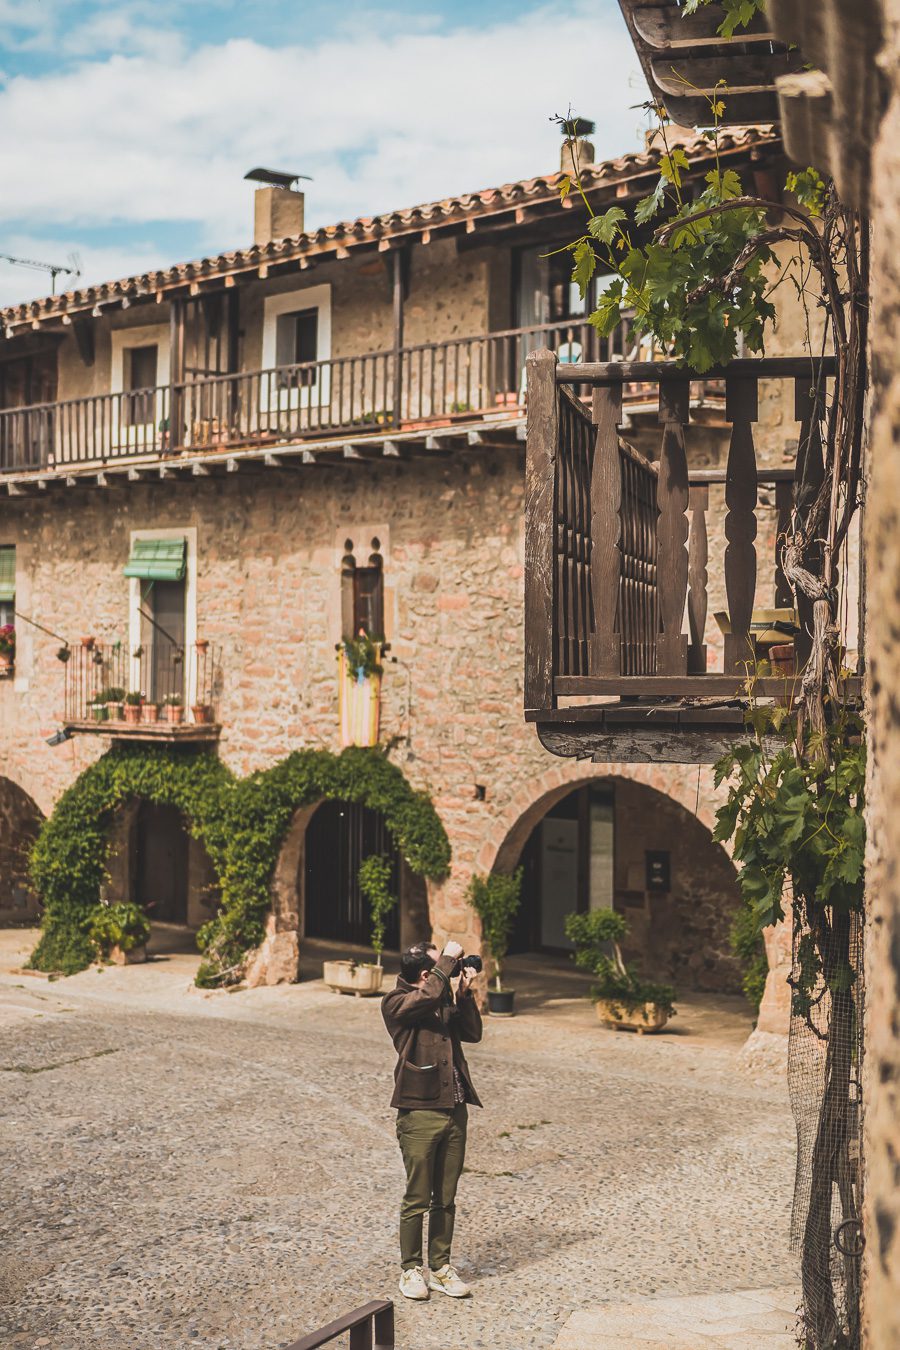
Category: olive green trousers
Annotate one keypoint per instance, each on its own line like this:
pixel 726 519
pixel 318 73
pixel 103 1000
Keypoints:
pixel 433 1144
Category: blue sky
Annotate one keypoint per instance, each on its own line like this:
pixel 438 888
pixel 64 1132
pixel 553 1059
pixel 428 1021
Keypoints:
pixel 128 126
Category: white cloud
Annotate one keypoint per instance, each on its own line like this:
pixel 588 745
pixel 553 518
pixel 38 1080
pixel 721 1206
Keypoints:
pixel 380 122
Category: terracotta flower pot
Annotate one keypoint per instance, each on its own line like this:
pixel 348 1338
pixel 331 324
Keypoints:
pixel 202 644
pixel 174 713
pixel 201 712
pixel 87 643
pixel 149 713
pixel 132 713
pixel 7 664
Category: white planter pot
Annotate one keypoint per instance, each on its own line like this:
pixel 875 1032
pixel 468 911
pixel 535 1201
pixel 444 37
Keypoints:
pixel 344 977
pixel 645 1017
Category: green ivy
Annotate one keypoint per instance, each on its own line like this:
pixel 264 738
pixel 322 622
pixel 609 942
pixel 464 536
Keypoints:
pixel 241 824
pixel 375 884
pixel 68 860
pixel 261 813
pixel 736 13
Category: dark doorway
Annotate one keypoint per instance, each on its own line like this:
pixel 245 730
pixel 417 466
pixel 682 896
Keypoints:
pixel 338 838
pixel 567 867
pixel 161 880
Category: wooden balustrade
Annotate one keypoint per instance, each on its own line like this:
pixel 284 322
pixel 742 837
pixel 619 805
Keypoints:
pixel 343 395
pixel 618 547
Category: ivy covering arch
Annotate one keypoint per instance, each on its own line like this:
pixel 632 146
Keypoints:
pixel 68 861
pixel 262 809
pixel 241 824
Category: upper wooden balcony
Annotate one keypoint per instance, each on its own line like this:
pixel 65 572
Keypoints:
pixel 393 403
pixel 618 566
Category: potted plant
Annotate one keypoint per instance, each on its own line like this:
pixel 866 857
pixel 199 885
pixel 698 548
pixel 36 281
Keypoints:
pixel 7 649
pixel 88 643
pixel 99 710
pixel 133 701
pixel 364 978
pixel 114 698
pixel 119 933
pixel 624 1000
pixel 173 708
pixel 150 711
pixel 202 712
pixel 202 645
pixel 495 899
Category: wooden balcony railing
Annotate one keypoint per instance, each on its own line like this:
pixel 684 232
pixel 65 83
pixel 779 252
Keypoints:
pixel 158 690
pixel 460 379
pixel 617 546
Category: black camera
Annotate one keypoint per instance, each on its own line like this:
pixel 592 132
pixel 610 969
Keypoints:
pixel 474 963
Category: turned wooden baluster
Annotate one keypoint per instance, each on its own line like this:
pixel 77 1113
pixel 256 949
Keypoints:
pixel 672 527
pixel 808 478
pixel 698 599
pixel 740 522
pixel 606 555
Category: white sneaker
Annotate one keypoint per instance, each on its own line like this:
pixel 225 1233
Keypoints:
pixel 447 1280
pixel 412 1283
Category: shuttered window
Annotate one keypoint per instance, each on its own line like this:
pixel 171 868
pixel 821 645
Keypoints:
pixel 7 574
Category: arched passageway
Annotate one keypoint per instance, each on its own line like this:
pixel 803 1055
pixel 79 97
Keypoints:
pixel 618 843
pixel 157 864
pixel 20 821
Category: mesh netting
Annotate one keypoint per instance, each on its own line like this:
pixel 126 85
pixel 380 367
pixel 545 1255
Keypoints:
pixel 824 1076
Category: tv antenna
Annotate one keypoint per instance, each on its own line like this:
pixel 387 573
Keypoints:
pixel 55 269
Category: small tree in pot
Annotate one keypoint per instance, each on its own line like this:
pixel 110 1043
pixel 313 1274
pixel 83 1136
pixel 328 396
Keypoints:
pixel 496 899
pixel 623 999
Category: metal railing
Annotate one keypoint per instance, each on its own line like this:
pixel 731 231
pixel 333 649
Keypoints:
pixel 456 380
pixel 115 685
pixel 371 1327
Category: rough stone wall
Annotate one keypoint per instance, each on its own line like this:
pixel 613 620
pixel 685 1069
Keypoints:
pixel 882 1075
pixel 683 936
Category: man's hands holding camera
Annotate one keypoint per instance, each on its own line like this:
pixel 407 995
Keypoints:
pixel 467 967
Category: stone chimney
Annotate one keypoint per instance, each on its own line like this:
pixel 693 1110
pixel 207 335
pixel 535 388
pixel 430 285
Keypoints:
pixel 277 214
pixel 577 152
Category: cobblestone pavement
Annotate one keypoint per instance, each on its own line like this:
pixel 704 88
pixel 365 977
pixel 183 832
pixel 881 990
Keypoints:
pixel 182 1169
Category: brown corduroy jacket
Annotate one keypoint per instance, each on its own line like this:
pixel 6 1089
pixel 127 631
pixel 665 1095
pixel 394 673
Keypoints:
pixel 427 1025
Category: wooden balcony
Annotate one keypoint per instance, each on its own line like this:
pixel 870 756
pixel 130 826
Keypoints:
pixel 618 566
pixel 344 402
pixel 177 687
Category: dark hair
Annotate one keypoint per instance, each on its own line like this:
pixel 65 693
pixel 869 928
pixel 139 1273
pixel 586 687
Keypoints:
pixel 416 959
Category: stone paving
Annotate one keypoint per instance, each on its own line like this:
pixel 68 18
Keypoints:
pixel 220 1171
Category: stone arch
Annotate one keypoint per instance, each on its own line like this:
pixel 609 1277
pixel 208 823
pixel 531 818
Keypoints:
pixel 680 934
pixel 20 823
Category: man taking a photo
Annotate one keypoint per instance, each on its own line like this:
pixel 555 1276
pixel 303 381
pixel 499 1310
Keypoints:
pixel 432 1088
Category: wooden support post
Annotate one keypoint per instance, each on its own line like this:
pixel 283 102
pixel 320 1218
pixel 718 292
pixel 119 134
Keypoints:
pixel 741 411
pixel 672 527
pixel 176 375
pixel 83 333
pixel 784 498
pixel 808 478
pixel 540 529
pixel 606 555
pixel 399 281
pixel 698 598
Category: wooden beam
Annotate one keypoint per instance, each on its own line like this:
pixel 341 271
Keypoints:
pixel 540 523
pixel 639 745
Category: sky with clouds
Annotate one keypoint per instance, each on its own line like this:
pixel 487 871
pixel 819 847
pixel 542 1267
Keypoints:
pixel 127 125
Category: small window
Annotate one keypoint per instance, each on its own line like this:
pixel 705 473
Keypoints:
pixel 363 593
pixel 296 342
pixel 140 367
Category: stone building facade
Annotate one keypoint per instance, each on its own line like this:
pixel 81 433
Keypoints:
pixel 266 526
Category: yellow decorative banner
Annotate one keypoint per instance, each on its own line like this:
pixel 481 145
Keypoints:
pixel 359 703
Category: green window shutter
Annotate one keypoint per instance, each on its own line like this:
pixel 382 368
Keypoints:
pixel 7 573
pixel 157 559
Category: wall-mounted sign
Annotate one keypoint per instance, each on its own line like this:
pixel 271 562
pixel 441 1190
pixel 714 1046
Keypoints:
pixel 659 870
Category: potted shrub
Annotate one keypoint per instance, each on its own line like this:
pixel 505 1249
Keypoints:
pixel 173 708
pixel 119 933
pixel 150 712
pixel 623 998
pixel 363 978
pixel 133 701
pixel 495 899
pixel 7 649
pixel 114 698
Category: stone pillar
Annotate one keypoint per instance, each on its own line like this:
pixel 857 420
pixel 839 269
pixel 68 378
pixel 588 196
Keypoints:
pixel 775 1009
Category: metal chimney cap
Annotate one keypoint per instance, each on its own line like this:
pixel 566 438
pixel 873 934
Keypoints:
pixel 275 177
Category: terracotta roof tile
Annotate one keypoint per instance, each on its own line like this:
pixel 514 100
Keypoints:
pixel 374 229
